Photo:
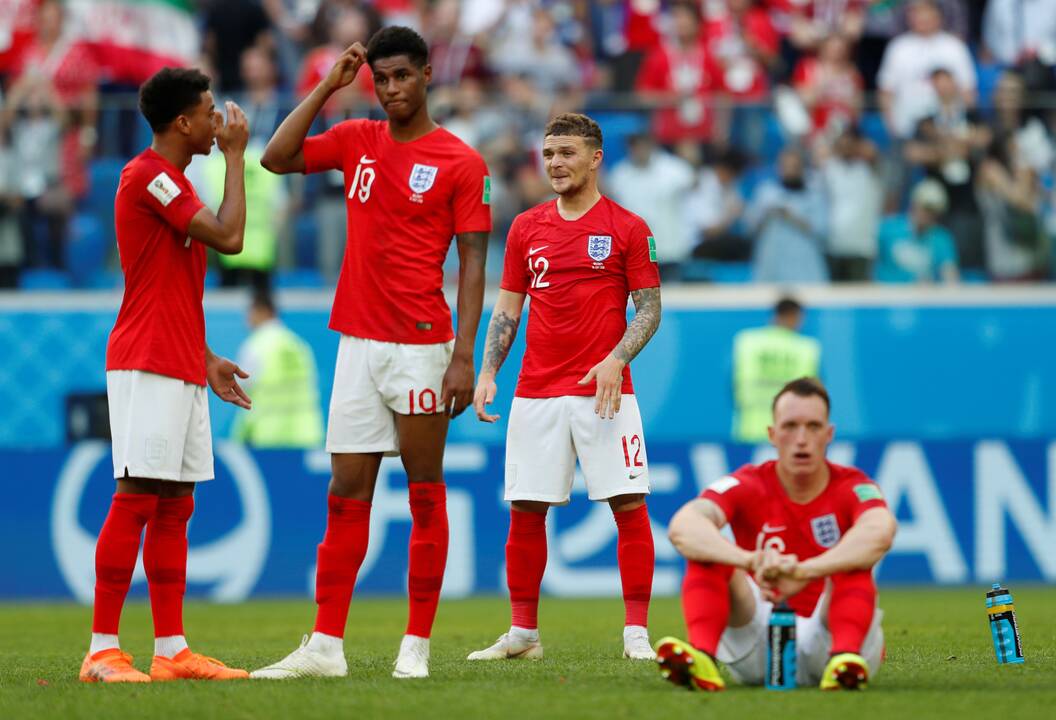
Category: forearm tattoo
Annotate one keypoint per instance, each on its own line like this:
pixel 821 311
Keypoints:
pixel 644 324
pixel 502 331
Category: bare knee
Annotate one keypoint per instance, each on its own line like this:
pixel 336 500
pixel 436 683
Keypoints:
pixel 354 475
pixel 623 503
pixel 172 489
pixel 530 506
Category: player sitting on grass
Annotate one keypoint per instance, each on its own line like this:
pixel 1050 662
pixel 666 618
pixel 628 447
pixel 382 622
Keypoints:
pixel 157 366
pixel 807 531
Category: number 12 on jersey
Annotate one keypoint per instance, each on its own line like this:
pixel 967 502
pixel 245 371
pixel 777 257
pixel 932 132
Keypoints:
pixel 538 267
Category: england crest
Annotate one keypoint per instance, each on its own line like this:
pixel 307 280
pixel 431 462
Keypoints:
pixel 422 177
pixel 599 247
pixel 826 530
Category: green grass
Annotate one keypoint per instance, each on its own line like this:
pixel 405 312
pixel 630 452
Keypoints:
pixel 940 663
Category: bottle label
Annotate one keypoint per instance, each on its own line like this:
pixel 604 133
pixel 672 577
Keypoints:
pixel 1005 633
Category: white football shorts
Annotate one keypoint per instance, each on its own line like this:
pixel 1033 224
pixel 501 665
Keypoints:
pixel 743 649
pixel 160 427
pixel 373 380
pixel 545 436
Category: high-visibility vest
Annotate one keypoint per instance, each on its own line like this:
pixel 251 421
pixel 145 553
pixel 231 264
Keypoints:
pixel 264 196
pixel 764 360
pixel 284 391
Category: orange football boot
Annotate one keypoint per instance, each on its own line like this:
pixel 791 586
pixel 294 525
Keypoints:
pixel 192 666
pixel 110 665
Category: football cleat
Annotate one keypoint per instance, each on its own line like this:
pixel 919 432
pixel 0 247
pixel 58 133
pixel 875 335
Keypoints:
pixel 304 662
pixel 110 665
pixel 636 643
pixel 510 646
pixel 413 659
pixel 846 671
pixel 682 664
pixel 187 665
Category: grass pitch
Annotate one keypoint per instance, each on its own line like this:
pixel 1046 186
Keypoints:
pixel 940 663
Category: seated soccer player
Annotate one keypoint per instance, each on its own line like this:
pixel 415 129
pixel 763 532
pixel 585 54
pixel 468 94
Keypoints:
pixel 808 532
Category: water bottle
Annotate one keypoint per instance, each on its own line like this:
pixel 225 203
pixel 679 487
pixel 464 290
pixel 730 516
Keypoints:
pixel 781 649
pixel 1003 627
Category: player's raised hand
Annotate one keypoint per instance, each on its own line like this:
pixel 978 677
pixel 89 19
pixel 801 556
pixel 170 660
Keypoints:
pixel 484 395
pixel 346 66
pixel 456 392
pixel 609 375
pixel 221 374
pixel 233 137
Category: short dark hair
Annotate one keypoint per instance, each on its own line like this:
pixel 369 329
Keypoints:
pixel 170 93
pixel 262 300
pixel 397 40
pixel 787 306
pixel 804 387
pixel 575 125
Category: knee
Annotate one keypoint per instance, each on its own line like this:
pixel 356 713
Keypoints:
pixel 623 503
pixel 352 485
pixel 530 506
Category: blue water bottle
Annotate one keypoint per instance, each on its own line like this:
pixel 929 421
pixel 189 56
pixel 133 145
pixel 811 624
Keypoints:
pixel 781 649
pixel 1003 627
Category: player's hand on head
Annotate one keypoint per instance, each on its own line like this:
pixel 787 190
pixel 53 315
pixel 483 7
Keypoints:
pixel 608 374
pixel 484 395
pixel 346 66
pixel 456 392
pixel 222 376
pixel 234 135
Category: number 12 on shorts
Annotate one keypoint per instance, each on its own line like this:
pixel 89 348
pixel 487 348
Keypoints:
pixel 633 444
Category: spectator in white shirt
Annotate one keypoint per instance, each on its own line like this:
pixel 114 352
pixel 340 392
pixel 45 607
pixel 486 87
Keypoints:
pixel 906 93
pixel 654 184
pixel 854 191
pixel 1015 31
pixel 714 209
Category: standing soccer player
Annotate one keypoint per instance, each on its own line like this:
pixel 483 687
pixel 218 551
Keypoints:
pixel 157 366
pixel 578 257
pixel 807 531
pixel 401 372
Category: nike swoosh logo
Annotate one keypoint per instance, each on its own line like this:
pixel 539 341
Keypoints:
pixel 768 529
pixel 364 160
pixel 533 251
pixel 634 475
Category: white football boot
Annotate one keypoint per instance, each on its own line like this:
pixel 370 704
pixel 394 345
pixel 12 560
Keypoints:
pixel 636 643
pixel 517 644
pixel 304 662
pixel 413 660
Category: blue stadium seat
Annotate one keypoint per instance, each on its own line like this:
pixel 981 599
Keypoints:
pixel 298 278
pixel 717 272
pixel 305 238
pixel 974 276
pixel 86 249
pixel 104 176
pixel 616 126
pixel 41 279
pixel 872 127
pixel 104 279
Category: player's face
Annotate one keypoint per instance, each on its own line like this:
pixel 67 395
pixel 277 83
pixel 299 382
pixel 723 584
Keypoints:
pixel 570 162
pixel 200 124
pixel 801 432
pixel 400 86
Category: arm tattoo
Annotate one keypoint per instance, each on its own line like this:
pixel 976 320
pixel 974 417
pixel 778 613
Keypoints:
pixel 502 330
pixel 645 322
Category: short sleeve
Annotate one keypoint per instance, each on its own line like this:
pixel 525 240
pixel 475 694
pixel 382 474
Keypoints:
pixel 863 494
pixel 174 201
pixel 730 493
pixel 472 198
pixel 642 271
pixel 514 273
pixel 325 151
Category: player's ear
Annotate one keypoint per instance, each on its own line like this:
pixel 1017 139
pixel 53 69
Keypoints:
pixel 830 433
pixel 770 434
pixel 427 73
pixel 596 160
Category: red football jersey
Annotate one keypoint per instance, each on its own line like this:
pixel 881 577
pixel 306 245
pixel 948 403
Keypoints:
pixel 578 274
pixel 405 201
pixel 160 327
pixel 761 515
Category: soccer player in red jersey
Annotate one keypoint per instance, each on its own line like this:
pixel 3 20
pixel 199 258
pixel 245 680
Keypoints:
pixel 402 372
pixel 157 366
pixel 578 257
pixel 808 532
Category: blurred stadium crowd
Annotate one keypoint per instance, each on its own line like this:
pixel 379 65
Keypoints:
pixel 791 141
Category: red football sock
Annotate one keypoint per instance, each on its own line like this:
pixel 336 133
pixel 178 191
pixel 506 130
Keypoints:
pixel 115 557
pixel 851 610
pixel 706 603
pixel 427 555
pixel 636 558
pixel 165 560
pixel 525 565
pixel 338 559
